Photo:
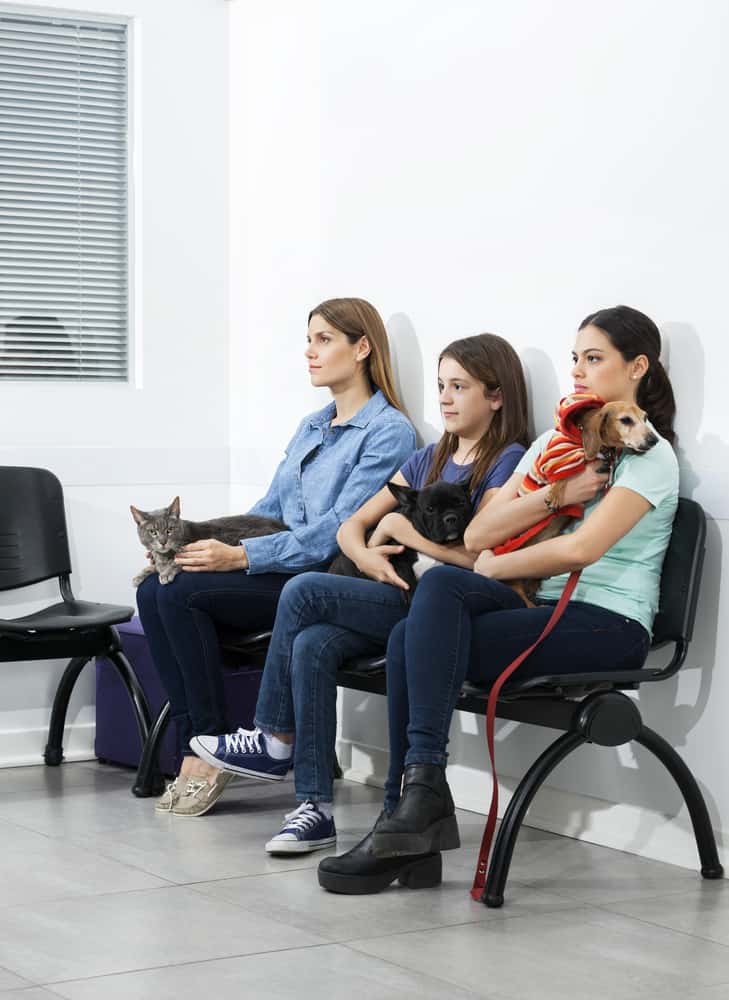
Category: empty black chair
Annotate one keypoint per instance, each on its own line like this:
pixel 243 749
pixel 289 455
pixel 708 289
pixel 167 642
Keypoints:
pixel 33 548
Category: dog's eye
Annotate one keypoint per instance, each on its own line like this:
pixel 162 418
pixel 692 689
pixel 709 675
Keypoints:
pixel 628 421
pixel 430 509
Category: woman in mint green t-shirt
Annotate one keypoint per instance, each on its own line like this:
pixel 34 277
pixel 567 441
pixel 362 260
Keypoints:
pixel 471 625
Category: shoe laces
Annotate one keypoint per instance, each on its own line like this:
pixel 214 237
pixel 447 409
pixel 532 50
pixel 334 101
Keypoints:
pixel 244 741
pixel 303 818
pixel 195 786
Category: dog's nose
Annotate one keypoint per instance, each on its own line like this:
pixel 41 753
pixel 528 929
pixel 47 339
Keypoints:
pixel 450 520
pixel 648 441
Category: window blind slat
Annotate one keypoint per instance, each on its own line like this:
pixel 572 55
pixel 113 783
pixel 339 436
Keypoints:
pixel 64 296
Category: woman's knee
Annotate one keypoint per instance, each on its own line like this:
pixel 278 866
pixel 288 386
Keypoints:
pixel 301 589
pixel 147 593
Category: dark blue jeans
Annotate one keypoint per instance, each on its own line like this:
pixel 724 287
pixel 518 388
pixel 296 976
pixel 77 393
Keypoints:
pixel 179 622
pixel 463 626
pixel 322 620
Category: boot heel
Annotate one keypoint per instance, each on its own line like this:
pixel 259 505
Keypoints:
pixel 448 838
pixel 425 874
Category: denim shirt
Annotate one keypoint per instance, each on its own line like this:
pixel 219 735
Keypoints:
pixel 327 474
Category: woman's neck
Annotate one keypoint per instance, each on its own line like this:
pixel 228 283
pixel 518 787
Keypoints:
pixel 349 399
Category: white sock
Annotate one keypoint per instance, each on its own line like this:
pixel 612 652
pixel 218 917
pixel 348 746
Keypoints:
pixel 324 807
pixel 277 748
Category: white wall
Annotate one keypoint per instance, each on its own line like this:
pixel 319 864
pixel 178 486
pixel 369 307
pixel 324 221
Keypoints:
pixel 505 167
pixel 112 445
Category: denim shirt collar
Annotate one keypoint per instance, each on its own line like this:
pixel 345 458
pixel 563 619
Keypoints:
pixel 374 405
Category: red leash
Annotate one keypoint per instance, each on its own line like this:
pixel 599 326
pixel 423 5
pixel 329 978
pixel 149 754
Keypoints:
pixel 479 881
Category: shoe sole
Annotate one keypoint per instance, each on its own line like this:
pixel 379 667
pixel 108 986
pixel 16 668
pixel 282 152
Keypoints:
pixel 440 836
pixel 425 873
pixel 205 754
pixel 299 846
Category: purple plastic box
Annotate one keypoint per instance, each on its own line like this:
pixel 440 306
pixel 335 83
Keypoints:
pixel 117 737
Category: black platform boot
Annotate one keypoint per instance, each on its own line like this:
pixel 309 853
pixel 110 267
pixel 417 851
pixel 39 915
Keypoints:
pixel 358 871
pixel 424 819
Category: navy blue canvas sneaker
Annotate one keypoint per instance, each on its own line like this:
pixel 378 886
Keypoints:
pixel 243 752
pixel 305 829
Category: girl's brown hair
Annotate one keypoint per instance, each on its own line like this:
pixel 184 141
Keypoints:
pixel 356 318
pixel 495 363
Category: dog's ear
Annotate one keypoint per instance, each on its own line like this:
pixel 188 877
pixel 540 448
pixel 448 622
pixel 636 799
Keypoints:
pixel 593 427
pixel 174 507
pixel 406 496
pixel 138 515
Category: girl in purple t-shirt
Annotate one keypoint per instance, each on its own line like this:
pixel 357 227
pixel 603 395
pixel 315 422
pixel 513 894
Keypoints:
pixel 323 620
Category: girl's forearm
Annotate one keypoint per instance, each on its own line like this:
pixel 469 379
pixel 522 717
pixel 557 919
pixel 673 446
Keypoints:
pixel 536 562
pixel 497 523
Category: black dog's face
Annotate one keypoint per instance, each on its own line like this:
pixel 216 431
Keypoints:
pixel 440 512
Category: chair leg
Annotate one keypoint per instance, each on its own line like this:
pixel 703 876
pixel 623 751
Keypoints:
pixel 149 780
pixel 513 817
pixel 53 754
pixel 705 841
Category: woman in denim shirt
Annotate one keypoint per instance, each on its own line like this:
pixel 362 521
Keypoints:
pixel 323 619
pixel 333 462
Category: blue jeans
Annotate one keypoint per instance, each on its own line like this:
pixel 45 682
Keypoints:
pixel 322 620
pixel 463 626
pixel 179 621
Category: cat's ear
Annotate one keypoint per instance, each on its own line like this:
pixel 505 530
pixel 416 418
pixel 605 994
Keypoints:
pixel 139 516
pixel 174 507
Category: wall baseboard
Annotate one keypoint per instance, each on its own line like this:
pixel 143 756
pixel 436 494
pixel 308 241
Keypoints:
pixel 21 747
pixel 622 827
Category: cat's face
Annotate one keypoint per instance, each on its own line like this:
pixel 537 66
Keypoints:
pixel 160 530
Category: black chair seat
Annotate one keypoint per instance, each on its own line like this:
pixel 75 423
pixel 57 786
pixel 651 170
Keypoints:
pixel 34 548
pixel 66 615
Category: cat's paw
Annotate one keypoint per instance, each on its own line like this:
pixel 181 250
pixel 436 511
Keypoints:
pixel 169 575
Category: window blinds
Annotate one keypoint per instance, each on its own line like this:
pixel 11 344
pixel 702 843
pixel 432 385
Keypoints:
pixel 63 199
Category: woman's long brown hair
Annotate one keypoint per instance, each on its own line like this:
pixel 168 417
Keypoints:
pixel 357 318
pixel 493 361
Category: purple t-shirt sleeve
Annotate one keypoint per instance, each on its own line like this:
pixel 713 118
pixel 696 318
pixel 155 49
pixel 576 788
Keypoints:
pixel 499 472
pixel 417 467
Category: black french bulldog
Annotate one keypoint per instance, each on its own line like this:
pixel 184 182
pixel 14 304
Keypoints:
pixel 440 512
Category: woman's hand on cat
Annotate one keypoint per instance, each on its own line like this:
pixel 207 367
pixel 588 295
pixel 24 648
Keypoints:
pixel 211 556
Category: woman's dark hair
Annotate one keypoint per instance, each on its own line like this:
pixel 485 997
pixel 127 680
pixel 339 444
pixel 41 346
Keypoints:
pixel 495 363
pixel 633 333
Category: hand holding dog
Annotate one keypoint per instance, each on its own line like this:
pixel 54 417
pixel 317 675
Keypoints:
pixel 375 563
pixel 393 527
pixel 211 556
pixel 484 565
pixel 586 484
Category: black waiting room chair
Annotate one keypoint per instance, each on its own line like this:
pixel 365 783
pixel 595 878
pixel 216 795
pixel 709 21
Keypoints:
pixel 34 548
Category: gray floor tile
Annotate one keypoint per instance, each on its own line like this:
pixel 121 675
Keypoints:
pixel 9 981
pixel 574 953
pixel 53 780
pixel 120 932
pixel 589 873
pixel 295 899
pixel 34 993
pixel 35 868
pixel 333 972
pixel 702 910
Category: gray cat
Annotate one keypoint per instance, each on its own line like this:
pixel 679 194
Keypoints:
pixel 163 533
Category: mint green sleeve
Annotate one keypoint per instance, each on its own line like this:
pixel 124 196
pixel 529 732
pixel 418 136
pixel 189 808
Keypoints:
pixel 653 475
pixel 527 459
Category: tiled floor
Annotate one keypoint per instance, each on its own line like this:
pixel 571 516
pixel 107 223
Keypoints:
pixel 101 898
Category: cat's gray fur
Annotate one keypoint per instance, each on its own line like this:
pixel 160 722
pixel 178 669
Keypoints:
pixel 163 533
